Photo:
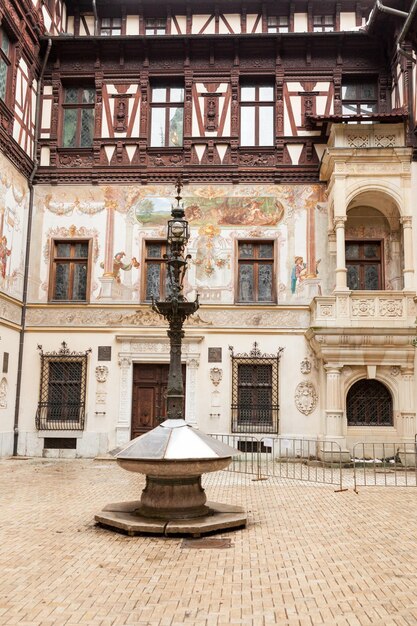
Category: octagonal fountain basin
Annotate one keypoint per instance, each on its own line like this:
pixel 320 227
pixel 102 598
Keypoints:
pixel 173 456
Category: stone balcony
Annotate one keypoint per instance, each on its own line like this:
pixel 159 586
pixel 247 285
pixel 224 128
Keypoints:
pixel 365 309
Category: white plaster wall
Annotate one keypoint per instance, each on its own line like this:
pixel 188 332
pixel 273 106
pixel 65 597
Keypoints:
pixel 9 342
pixel 99 434
pixel 132 25
pixel 300 23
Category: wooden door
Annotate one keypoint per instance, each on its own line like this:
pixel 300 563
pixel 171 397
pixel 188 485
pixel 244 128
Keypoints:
pixel 149 396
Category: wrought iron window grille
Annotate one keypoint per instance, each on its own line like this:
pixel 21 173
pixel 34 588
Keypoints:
pixel 369 403
pixel 62 390
pixel 255 391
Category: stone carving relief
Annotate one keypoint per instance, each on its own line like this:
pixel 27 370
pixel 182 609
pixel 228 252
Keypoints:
pixel 125 318
pixel 305 397
pixel 3 393
pixel 305 366
pixel 363 308
pixel 102 372
pixel 384 141
pixel 216 374
pixel 358 141
pixel 326 310
pixel 390 308
pixel 395 370
pixel 10 311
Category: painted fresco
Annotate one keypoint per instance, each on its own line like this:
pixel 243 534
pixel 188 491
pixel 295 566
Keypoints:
pixel 14 200
pixel 121 218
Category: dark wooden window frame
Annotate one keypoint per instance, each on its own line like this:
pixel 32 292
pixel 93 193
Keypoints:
pixel 258 105
pixel 9 61
pixel 111 27
pixel 72 261
pixel 256 261
pixel 357 81
pixel 151 24
pixel 79 106
pixel 362 262
pixel 321 26
pixel 276 28
pixel 166 105
pixel 148 260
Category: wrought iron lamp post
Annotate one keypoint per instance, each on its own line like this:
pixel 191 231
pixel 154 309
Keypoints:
pixel 175 308
pixel 173 456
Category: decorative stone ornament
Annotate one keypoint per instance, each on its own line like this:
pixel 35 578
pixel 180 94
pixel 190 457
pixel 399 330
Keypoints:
pixel 102 372
pixel 216 375
pixel 305 366
pixel 305 397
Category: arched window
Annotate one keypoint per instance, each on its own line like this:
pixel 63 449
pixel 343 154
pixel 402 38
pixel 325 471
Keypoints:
pixel 369 403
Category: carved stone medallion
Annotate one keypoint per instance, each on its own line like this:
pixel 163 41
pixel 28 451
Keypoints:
pixel 305 397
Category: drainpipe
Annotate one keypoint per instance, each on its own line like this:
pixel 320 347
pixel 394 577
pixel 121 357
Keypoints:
pixel 404 31
pixel 27 253
pixel 95 16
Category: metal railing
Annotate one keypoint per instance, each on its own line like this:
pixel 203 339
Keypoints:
pixel 55 416
pixel 385 464
pixel 309 460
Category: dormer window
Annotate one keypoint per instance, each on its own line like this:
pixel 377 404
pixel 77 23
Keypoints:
pixel 111 26
pixel 155 26
pixel 278 24
pixel 323 23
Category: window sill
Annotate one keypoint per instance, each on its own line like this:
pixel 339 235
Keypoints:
pixel 57 434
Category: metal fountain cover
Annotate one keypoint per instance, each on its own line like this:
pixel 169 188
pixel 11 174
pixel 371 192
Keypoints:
pixel 172 440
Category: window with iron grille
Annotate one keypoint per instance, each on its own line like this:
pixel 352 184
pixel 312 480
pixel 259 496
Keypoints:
pixel 62 389
pixel 323 23
pixel 167 116
pixel 278 24
pixel 155 284
pixel 69 270
pixel 255 391
pixel 257 114
pixel 255 274
pixel 359 96
pixel 369 403
pixel 111 26
pixel 5 63
pixel 78 117
pixel 155 26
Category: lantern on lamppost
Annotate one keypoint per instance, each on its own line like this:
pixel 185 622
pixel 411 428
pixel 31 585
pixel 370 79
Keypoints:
pixel 173 456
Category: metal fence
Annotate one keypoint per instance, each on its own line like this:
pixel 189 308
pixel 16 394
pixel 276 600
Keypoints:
pixel 308 460
pixel 384 464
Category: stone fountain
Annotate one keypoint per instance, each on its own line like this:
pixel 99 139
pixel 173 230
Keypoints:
pixel 173 456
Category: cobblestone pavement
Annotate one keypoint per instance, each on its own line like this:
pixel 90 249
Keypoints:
pixel 308 556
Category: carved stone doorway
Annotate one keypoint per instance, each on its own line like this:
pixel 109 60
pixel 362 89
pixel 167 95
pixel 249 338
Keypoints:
pixel 149 396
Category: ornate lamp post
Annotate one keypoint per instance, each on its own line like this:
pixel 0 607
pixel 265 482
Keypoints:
pixel 173 456
pixel 175 308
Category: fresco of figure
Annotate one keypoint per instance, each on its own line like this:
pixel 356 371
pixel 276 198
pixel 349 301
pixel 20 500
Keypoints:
pixel 118 265
pixel 298 273
pixel 4 253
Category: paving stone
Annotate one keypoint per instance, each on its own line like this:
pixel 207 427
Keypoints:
pixel 308 555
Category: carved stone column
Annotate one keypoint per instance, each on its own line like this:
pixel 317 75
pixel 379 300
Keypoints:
pixel 334 407
pixel 408 271
pixel 407 417
pixel 125 400
pixel 190 392
pixel 341 283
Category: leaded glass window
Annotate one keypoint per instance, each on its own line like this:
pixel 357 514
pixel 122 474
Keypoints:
pixel 364 264
pixel 78 117
pixel 255 280
pixel 167 116
pixel 257 115
pixel 323 23
pixel 5 53
pixel 156 283
pixel 278 24
pixel 69 272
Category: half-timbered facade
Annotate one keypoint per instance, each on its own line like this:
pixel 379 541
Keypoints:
pixel 292 126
